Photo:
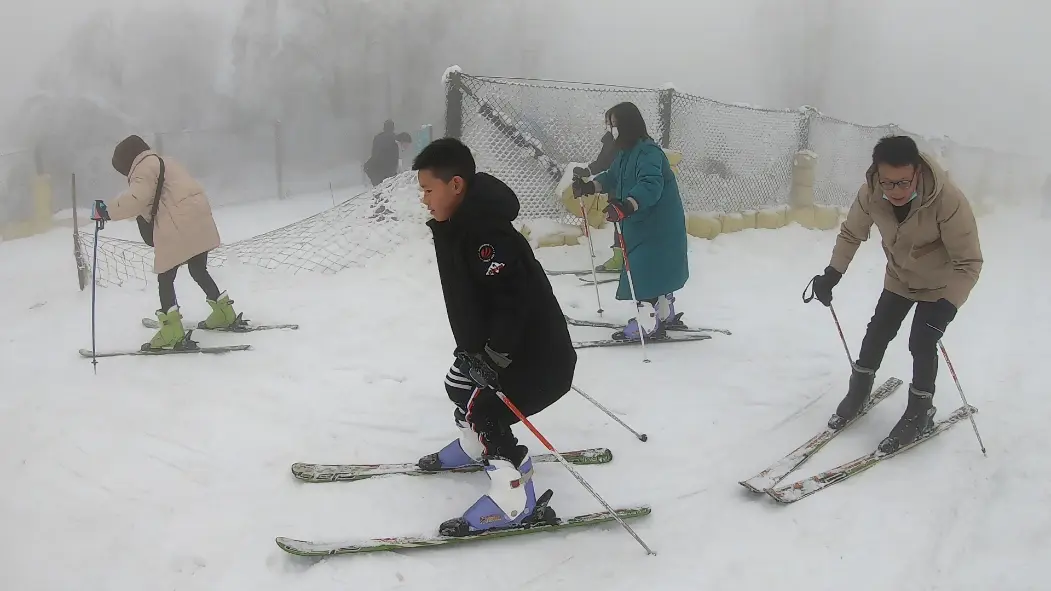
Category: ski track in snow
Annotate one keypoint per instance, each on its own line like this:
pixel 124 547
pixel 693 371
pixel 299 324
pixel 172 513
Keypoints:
pixel 173 472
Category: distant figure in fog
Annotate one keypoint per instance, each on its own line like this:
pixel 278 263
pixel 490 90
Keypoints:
pixel 404 151
pixel 383 163
pixel 602 161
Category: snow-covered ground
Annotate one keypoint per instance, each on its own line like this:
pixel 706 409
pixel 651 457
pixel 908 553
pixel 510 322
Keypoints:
pixel 173 472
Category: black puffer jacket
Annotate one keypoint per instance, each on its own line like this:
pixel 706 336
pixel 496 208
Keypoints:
pixel 497 293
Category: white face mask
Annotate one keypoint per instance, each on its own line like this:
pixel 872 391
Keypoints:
pixel 614 132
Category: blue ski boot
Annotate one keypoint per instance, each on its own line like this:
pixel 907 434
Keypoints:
pixel 464 451
pixel 651 324
pixel 510 503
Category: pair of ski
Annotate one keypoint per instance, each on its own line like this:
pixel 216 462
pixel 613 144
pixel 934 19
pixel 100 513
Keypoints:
pixel 767 480
pixel 317 473
pixel 191 346
pixel 676 332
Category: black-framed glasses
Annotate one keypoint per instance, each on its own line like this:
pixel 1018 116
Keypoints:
pixel 889 185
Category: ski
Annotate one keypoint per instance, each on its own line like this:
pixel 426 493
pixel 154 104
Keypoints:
pixel 667 338
pixel 590 281
pixel 119 353
pixel 351 472
pixel 239 325
pixel 580 272
pixel 777 471
pixel 808 486
pixel 676 326
pixel 305 548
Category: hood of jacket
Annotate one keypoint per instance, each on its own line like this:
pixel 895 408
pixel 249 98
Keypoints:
pixel 126 152
pixel 488 200
pixel 931 183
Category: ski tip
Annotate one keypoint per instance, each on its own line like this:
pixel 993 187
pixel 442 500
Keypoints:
pixel 752 488
pixel 595 455
pixel 294 547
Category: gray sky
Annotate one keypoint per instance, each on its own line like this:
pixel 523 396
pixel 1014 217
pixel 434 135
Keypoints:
pixel 30 30
pixel 972 69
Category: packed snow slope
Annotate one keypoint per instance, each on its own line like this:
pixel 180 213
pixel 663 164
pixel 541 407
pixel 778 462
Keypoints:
pixel 173 472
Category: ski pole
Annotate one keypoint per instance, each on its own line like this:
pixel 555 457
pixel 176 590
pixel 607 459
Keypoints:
pixel 569 467
pixel 970 415
pixel 842 338
pixel 807 299
pixel 591 247
pixel 641 436
pixel 631 285
pixel 99 224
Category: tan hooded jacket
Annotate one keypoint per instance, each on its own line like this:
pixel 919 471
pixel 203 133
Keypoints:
pixel 935 253
pixel 185 226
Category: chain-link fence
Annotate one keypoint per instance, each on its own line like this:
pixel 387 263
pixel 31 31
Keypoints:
pixel 734 157
pixel 354 233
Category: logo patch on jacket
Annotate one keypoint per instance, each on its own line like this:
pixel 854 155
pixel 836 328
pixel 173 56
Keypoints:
pixel 494 268
pixel 486 252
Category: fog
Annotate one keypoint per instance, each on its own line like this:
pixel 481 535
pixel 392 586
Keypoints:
pixel 82 73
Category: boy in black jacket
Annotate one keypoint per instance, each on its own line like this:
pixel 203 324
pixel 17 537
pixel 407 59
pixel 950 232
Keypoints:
pixel 511 334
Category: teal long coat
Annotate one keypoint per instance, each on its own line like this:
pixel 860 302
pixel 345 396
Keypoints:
pixel 655 235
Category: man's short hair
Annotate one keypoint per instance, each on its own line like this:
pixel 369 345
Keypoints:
pixel 897 151
pixel 445 158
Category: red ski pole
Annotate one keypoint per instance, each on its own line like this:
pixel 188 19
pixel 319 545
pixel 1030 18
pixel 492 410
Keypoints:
pixel 970 415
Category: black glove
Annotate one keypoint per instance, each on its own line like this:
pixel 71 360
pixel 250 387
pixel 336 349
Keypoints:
pixel 482 367
pixel 582 187
pixel 99 213
pixel 941 315
pixel 579 171
pixel 616 211
pixel 823 285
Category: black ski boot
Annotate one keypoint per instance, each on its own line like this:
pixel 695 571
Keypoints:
pixel 861 380
pixel 917 420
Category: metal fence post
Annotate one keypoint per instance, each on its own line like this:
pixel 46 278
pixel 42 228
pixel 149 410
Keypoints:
pixel 664 103
pixel 453 105
pixel 278 160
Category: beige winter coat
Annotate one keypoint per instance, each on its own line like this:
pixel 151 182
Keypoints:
pixel 933 254
pixel 185 226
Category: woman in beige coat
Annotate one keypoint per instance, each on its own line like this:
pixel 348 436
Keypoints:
pixel 183 234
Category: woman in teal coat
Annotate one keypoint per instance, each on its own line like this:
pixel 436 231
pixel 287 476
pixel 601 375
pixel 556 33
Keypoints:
pixel 644 199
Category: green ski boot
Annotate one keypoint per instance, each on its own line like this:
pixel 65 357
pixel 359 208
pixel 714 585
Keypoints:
pixel 615 262
pixel 222 316
pixel 171 334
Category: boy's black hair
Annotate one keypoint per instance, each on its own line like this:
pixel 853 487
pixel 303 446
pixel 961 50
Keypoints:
pixel 896 150
pixel 445 158
pixel 631 127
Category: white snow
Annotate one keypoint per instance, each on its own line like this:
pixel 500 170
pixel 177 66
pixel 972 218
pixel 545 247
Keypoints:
pixel 567 178
pixel 449 72
pixel 173 472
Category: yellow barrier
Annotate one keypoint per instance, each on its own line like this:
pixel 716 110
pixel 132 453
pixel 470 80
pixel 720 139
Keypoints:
pixel 41 220
pixel 801 208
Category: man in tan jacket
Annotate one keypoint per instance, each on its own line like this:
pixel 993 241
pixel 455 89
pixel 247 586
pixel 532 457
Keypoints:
pixel 934 257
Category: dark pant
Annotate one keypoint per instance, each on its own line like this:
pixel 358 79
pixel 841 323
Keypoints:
pixel 891 311
pixel 198 267
pixel 487 415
